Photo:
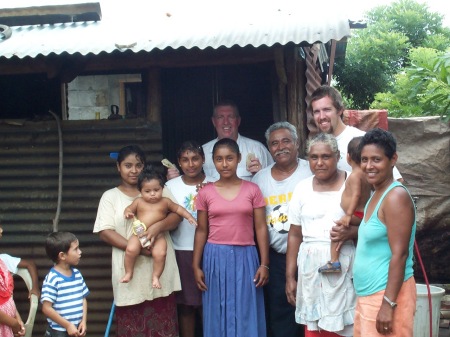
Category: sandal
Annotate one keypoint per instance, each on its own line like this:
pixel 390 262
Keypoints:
pixel 331 267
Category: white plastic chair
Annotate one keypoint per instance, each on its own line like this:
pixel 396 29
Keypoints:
pixel 25 275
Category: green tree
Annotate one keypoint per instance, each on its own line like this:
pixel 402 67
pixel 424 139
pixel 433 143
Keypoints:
pixel 422 89
pixel 376 55
pixel 373 57
pixel 410 18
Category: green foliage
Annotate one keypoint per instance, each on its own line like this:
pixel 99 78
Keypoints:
pixel 410 18
pixel 421 89
pixel 378 63
pixel 431 82
pixel 372 59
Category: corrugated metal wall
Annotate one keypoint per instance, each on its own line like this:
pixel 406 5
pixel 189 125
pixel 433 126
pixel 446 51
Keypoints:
pixel 29 160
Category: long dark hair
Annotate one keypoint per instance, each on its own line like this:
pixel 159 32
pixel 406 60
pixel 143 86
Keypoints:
pixel 131 149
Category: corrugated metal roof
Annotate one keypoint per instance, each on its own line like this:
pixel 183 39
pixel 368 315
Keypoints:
pixel 132 25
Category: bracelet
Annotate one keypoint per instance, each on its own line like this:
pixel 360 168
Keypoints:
pixel 263 265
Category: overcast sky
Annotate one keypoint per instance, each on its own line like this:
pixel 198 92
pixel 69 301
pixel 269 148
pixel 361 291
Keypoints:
pixel 353 8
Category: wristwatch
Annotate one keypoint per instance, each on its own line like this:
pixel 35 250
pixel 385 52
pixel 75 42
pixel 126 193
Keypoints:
pixel 392 304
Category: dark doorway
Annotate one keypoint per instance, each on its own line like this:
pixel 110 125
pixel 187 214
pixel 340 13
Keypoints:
pixel 189 94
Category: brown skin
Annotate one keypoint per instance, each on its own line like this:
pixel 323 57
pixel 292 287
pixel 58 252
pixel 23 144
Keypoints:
pixel 31 267
pixel 397 213
pixel 66 260
pixel 323 164
pixel 356 193
pixel 16 323
pixel 228 187
pixel 129 170
pixel 191 164
pixel 284 151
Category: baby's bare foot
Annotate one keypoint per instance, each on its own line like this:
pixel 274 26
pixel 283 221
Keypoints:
pixel 127 278
pixel 155 282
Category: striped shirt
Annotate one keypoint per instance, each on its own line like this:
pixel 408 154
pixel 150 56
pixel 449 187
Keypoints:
pixel 67 294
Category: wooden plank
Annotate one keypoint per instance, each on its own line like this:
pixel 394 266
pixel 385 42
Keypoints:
pixel 39 15
pixel 129 61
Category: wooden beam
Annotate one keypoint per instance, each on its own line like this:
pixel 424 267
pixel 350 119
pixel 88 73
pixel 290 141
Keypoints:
pixel 129 61
pixel 153 93
pixel 38 15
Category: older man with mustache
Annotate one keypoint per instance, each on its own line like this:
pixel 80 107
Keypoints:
pixel 277 182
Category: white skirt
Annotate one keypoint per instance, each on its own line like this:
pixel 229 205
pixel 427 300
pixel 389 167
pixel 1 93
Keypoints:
pixel 325 301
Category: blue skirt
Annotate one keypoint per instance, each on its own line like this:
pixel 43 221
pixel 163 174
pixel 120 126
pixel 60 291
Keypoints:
pixel 232 305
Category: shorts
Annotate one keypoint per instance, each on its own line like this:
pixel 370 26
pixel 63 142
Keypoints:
pixel 55 333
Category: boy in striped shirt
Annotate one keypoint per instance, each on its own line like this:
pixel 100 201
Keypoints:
pixel 64 291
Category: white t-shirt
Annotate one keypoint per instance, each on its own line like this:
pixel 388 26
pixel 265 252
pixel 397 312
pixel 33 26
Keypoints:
pixel 183 235
pixel 11 262
pixel 343 139
pixel 110 216
pixel 246 146
pixel 277 195
pixel 315 211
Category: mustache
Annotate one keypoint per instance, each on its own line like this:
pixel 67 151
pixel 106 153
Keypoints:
pixel 282 152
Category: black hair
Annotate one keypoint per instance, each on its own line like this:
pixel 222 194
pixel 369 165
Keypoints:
pixel 190 145
pixel 227 142
pixel 149 173
pixel 353 149
pixel 380 138
pixel 131 149
pixel 58 242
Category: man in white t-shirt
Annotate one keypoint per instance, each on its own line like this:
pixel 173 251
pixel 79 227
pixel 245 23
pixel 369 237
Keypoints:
pixel 277 183
pixel 327 109
pixel 254 154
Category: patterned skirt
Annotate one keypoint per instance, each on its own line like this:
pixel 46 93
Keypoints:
pixel 232 305
pixel 8 308
pixel 157 318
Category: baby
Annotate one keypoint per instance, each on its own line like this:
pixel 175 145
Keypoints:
pixel 150 208
pixel 354 197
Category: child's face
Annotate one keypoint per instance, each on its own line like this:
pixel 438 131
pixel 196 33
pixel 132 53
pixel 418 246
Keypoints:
pixel 73 255
pixel 191 163
pixel 151 191
pixel 226 161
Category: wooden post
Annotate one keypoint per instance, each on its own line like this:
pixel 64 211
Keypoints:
pixel 153 95
pixel 281 83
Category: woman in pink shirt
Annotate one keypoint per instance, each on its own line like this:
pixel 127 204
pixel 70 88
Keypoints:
pixel 226 265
